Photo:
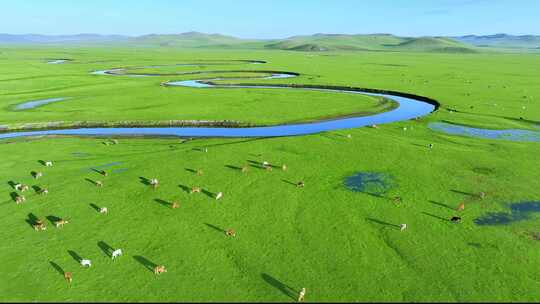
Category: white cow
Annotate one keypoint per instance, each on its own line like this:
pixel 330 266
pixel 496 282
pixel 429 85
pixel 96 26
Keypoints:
pixel 219 195
pixel 116 253
pixel 86 263
pixel 48 164
pixel 18 187
pixel 103 210
pixel 403 227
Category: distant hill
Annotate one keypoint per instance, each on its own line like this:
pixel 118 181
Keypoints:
pixel 502 41
pixel 46 39
pixel 334 42
pixel 373 42
pixel 311 43
pixel 190 39
pixel 434 44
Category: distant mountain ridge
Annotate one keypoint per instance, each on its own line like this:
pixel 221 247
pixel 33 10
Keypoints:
pixel 502 41
pixel 319 42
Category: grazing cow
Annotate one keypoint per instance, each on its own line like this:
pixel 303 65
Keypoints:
pixel 24 188
pixel 245 169
pixel 103 210
pixel 37 175
pixel 39 226
pixel 300 184
pixel 175 205
pixel 43 191
pixel 48 164
pixel 231 233
pixel 160 269
pixel 302 295
pixel 402 227
pixel 99 183
pixel 86 263
pixel 116 253
pixel 397 199
pixel 374 126
pixel 219 196
pixel 18 187
pixel 195 190
pixel 20 199
pixel 103 172
pixel 349 136
pixel 461 207
pixel 60 223
pixel 455 219
pixel 265 164
pixel 284 168
pixel 200 172
pixel 430 146
pixel 154 183
pixel 115 141
pixel 482 195
pixel 269 168
pixel 68 276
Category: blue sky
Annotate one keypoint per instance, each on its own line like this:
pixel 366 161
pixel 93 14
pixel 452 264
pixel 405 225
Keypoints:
pixel 271 18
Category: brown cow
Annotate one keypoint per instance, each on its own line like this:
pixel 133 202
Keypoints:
pixel 245 169
pixel 68 276
pixel 60 223
pixel 160 269
pixel 195 190
pixel 200 172
pixel 175 205
pixel 99 183
pixel 230 232
pixel 461 207
pixel 300 184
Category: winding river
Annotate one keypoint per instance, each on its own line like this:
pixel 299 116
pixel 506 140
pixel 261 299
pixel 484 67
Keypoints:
pixel 409 107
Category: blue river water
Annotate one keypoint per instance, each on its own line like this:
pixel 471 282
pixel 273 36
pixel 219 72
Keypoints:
pixel 408 108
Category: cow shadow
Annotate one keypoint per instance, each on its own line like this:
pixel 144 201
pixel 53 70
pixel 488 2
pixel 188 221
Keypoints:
pixel 12 184
pixel 37 188
pixel 382 223
pixel 41 162
pixel 14 196
pixel 289 182
pixel 191 170
pixel 163 202
pixel 106 248
pixel 282 287
pixel 233 167
pixel 57 268
pixel 32 220
pixel 435 216
pixel 208 193
pixel 464 193
pixel 185 188
pixel 441 204
pixel 52 219
pixel 145 262
pixel 144 181
pixel 93 182
pixel 95 207
pixel 215 228
pixel 75 256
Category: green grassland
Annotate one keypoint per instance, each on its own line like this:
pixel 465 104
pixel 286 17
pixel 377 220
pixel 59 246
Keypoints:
pixel 340 245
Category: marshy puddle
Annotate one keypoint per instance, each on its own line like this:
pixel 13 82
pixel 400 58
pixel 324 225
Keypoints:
pixel 521 211
pixel 370 182
pixel 58 61
pixel 510 134
pixel 37 103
